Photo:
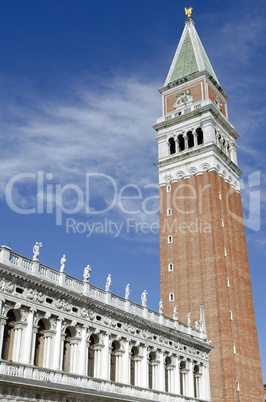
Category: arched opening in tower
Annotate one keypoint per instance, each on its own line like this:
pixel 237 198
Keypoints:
pixel 172 146
pixel 190 138
pixel 181 143
pixel 200 136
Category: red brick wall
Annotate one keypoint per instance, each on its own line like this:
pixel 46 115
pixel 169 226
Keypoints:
pixel 200 275
pixel 196 92
pixel 212 96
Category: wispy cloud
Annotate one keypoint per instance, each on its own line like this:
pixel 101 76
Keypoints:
pixel 105 131
pixel 88 135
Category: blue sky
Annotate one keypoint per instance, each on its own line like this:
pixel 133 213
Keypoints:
pixel 78 85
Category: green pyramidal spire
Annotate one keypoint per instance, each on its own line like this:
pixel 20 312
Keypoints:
pixel 190 56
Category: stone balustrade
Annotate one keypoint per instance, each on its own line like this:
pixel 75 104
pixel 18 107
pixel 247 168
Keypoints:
pixel 28 372
pixel 57 329
pixel 54 278
pixel 183 110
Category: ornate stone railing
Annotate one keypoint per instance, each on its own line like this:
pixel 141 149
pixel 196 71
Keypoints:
pixel 48 273
pixel 183 110
pixel 32 373
pixel 15 261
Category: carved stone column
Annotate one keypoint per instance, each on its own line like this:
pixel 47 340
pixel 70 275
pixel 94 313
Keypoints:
pixel 17 350
pixel 138 370
pixel 28 336
pixel 106 357
pixel 73 355
pixel 161 373
pixel 126 363
pixel 190 385
pixel 48 336
pixel 169 378
pixel 33 344
pixel 56 365
pixel 205 386
pixel 176 376
pixel 83 352
pixel 154 371
pixel 2 324
pixel 98 360
pixel 118 365
pixel 145 367
pixel 184 371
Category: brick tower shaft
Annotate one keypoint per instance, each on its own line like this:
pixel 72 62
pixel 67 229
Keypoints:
pixel 202 237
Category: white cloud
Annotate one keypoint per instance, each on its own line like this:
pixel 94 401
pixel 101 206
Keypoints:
pixel 100 132
pixel 106 131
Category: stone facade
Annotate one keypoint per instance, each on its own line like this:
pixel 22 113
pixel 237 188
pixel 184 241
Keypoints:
pixel 202 236
pixel 65 340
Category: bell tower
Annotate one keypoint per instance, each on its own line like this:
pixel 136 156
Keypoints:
pixel 203 253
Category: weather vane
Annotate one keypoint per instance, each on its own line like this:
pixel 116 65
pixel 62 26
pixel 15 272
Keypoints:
pixel 188 11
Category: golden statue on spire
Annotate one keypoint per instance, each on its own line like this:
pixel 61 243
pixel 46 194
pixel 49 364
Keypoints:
pixel 188 11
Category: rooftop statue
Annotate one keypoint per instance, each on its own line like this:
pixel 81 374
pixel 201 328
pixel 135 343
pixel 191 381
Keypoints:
pixel 144 298
pixel 36 251
pixel 108 283
pixel 161 306
pixel 188 11
pixel 62 263
pixel 189 319
pixel 87 273
pixel 127 292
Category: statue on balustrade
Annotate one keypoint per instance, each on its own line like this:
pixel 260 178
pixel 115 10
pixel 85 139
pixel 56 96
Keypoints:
pixel 36 251
pixel 189 319
pixel 62 263
pixel 144 298
pixel 161 306
pixel 87 273
pixel 108 283
pixel 127 292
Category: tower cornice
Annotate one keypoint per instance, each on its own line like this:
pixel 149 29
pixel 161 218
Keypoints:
pixel 191 153
pixel 192 163
pixel 191 77
pixel 172 120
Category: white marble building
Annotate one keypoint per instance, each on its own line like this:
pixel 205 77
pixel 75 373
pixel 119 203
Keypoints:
pixel 65 340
